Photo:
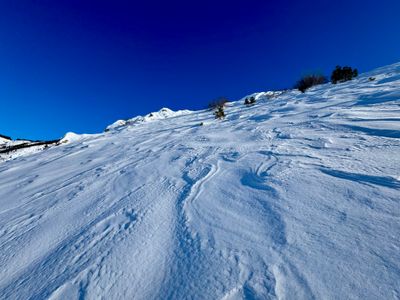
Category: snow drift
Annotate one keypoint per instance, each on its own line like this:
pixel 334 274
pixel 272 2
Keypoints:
pixel 295 197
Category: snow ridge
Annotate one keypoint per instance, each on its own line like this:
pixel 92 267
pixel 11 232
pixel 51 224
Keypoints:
pixel 163 113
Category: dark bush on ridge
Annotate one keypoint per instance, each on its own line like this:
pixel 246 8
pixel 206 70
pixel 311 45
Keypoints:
pixel 219 113
pixel 308 81
pixel 250 101
pixel 221 101
pixel 343 74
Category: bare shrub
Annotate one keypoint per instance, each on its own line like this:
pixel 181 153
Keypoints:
pixel 221 101
pixel 310 80
pixel 250 101
pixel 343 74
pixel 219 113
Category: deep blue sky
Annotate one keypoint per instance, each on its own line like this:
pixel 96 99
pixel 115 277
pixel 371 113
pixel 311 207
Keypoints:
pixel 79 65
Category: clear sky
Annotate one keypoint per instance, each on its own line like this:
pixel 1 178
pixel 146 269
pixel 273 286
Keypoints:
pixel 79 65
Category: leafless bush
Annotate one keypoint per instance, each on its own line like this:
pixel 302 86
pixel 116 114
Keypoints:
pixel 221 101
pixel 310 80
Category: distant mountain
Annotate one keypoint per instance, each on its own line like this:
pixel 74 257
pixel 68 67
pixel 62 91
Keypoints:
pixel 11 149
pixel 4 139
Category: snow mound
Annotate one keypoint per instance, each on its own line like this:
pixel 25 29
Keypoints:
pixel 163 113
pixel 70 137
pixel 116 124
pixel 4 139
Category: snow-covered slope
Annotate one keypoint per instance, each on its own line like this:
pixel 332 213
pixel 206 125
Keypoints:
pixel 3 139
pixel 11 149
pixel 163 113
pixel 296 197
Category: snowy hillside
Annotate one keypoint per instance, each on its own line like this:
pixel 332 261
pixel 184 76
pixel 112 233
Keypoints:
pixel 4 139
pixel 163 113
pixel 295 197
pixel 11 149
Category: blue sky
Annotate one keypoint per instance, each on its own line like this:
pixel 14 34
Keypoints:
pixel 79 65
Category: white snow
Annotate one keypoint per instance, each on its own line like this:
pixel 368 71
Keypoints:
pixel 5 143
pixel 20 153
pixel 163 113
pixel 71 137
pixel 3 140
pixel 295 197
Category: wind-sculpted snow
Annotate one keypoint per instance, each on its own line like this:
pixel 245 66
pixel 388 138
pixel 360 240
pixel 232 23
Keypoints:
pixel 295 197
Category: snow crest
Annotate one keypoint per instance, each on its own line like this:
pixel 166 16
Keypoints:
pixel 163 113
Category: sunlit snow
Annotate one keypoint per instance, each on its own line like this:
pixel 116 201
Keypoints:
pixel 295 197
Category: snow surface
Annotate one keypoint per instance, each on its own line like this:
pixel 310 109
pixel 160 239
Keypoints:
pixel 5 143
pixel 295 197
pixel 3 140
pixel 9 148
pixel 163 113
pixel 32 146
